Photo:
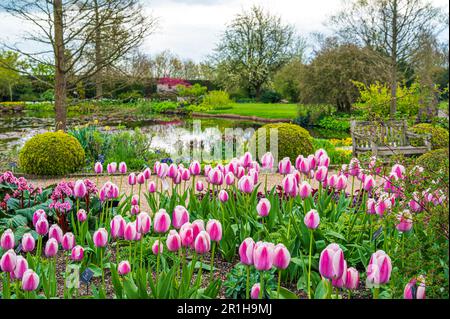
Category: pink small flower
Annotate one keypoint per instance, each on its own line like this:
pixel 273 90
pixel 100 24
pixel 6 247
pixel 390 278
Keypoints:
pixel 28 242
pixel 124 267
pixel 214 229
pixel 255 291
pixel 161 221
pixel 199 186
pixel 68 241
pixel 79 189
pixel 77 253
pixel 98 168
pixel 173 241
pixel 263 207
pixel 223 196
pixel 7 240
pixel 157 247
pixel 81 215
pixel 281 256
pixel 100 237
pixel 398 170
pixel 122 168
pixel 202 243
pixel 51 248
pixel 312 219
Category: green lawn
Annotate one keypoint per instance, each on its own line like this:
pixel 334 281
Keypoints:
pixel 273 111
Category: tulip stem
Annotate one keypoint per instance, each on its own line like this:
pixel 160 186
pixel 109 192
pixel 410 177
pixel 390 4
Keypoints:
pixel 376 292
pixel 101 266
pixel 142 252
pixel 279 284
pixel 6 291
pixel 247 286
pixel 157 264
pixel 309 262
pixel 200 271
pixel 212 262
pixel 129 258
pixel 261 279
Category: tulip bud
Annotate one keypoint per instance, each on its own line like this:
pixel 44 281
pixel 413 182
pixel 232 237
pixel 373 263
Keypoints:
pixel 132 179
pixel 215 176
pixel 173 241
pixel 245 184
pixel 186 234
pixel 68 241
pixel 305 190
pixel 81 215
pixel 157 247
pixel 55 232
pixel 117 226
pixel 143 223
pixel 161 221
pixel 290 186
pixel 124 267
pixel 267 161
pixel 223 196
pixel 214 229
pixel 28 242
pixel 202 243
pixel 331 263
pixel 100 237
pixel 285 166
pixel 340 282
pixel 229 178
pixel 122 168
pixel 30 280
pixel 199 186
pixel 140 179
pixel 254 293
pixel 371 203
pixel 130 231
pixel 415 289
pixel 8 261
pixel 79 189
pixel 77 253
pixel 195 168
pixel 341 183
pixel 246 251
pixel 21 267
pixel 369 183
pixel 263 207
pixel 111 168
pixel 263 256
pixel 379 269
pixel 98 168
pixel 134 210
pixel 352 279
pixel 37 214
pixel 321 174
pixel 7 240
pixel 42 226
pixel 332 180
pixel 51 248
pixel 405 222
pixel 312 219
pixel 151 187
pixel 281 256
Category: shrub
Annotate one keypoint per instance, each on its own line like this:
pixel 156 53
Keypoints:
pixel 270 97
pixel 330 122
pixel 336 155
pixel 159 107
pixel 126 97
pixel 434 160
pixel 52 153
pixel 439 135
pixel 310 114
pixel 216 99
pixel 293 140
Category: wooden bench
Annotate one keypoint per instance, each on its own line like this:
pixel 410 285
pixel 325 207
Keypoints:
pixel 386 138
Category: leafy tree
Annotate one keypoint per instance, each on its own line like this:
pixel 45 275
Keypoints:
pixel 328 78
pixel 254 46
pixel 287 80
pixel 9 77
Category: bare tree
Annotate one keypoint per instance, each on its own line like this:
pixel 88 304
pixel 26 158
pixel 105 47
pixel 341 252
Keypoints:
pixel 64 29
pixel 390 27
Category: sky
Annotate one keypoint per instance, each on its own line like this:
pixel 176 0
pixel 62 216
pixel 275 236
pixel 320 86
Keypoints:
pixel 192 28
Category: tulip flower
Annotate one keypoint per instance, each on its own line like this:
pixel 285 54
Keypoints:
pixel 352 279
pixel 223 196
pixel 195 168
pixel 214 229
pixel 132 179
pixel 143 223
pixel 134 200
pixel 331 263
pixel 263 256
pixel 124 268
pixel 229 178
pixel 240 172
pixel 79 189
pixel 405 222
pixel 263 207
pixel 341 183
pixel 161 222
pixel 37 214
pixel 7 240
pixel 172 171
pixel 51 248
pixel 256 291
pixel 100 238
pixel 68 241
pixel 289 185
pixel 140 179
pixel 305 190
pixel 55 232
pixel 371 204
pixel 28 242
pixel 398 170
pixel 98 168
pixel 215 176
pixel 81 215
pixel 369 183
pixel 173 241
pixel 202 243
pixel 111 168
pixel 198 225
pixel 134 210
pixel 246 185
pixel 415 289
pixel 285 166
pixel 30 280
pixel 254 175
pixel 117 226
pixel 77 253
pixel 156 249
pixel 122 168
pixel 21 267
pixel 267 161
pixel 378 270
pixel 42 226
pixel 312 219
pixel 8 261
pixel 199 186
pixel 324 161
pixel 130 231
pixel 415 206
pixel 151 187
pixel 281 257
pixel 321 174
pixel 186 234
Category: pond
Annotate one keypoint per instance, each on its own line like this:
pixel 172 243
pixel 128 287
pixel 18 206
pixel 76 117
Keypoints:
pixel 166 131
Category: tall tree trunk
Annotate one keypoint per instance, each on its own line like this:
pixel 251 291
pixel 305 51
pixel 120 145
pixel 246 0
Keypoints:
pixel 10 92
pixel 98 54
pixel 60 72
pixel 394 59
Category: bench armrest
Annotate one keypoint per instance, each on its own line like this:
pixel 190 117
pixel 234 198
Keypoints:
pixel 425 137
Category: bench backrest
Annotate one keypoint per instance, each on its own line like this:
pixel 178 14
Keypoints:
pixel 388 133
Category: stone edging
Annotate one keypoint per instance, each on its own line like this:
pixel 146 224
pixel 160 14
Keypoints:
pixel 241 117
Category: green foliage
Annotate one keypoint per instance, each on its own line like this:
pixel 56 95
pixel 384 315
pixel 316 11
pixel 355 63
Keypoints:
pixel 52 153
pixel 434 160
pixel 293 140
pixel 163 106
pixel 310 114
pixel 195 90
pixel 287 80
pixel 333 123
pixel 337 156
pixel 216 100
pixel 131 96
pixel 48 95
pixel 270 96
pixel 439 135
pixel 92 140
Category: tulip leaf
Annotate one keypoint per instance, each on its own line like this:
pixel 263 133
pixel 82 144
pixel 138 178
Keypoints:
pixel 284 294
pixel 322 289
pixel 130 288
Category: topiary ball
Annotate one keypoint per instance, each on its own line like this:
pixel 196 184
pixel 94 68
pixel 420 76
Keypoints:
pixel 293 140
pixel 433 161
pixel 439 135
pixel 52 154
